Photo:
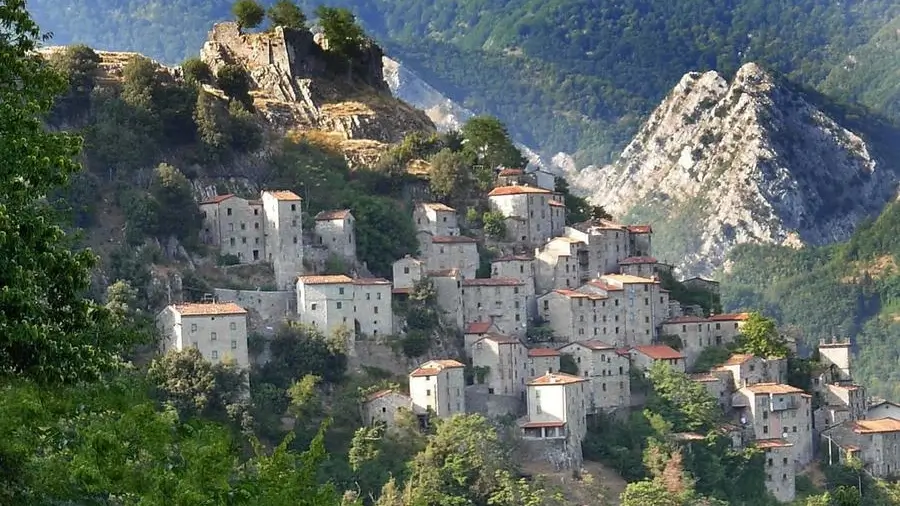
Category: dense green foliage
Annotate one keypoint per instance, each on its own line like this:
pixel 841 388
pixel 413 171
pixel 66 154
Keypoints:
pixel 846 290
pixel 565 75
pixel 287 14
pixel 248 13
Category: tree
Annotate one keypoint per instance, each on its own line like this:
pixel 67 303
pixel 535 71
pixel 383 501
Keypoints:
pixel 344 35
pixel 567 364
pixel 449 174
pixel 297 351
pixel 759 336
pixel 213 122
pixel 684 403
pixel 79 64
pixel 286 13
pixel 177 209
pixel 49 332
pixel 235 82
pixel 139 83
pixel 494 224
pixel 196 71
pixel 384 232
pixel 486 137
pixel 248 13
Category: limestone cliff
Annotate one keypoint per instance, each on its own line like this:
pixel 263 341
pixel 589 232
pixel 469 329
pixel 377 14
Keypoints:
pixel 299 86
pixel 719 164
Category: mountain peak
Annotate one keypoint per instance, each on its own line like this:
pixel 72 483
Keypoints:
pixel 753 160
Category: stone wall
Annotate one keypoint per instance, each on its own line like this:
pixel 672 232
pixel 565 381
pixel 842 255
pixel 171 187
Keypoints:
pixel 478 400
pixel 556 452
pixel 265 307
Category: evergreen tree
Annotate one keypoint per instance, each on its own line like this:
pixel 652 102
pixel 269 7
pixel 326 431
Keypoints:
pixel 235 82
pixel 248 13
pixel 345 36
pixel 196 71
pixel 287 14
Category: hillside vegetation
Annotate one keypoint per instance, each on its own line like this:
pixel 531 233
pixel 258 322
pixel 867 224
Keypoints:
pixel 851 289
pixel 566 74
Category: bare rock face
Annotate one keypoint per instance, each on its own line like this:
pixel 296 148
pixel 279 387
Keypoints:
pixel 299 86
pixel 753 161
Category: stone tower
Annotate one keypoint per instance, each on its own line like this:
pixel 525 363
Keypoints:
pixel 284 236
pixel 837 354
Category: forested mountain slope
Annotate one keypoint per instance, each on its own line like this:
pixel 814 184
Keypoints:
pixel 848 289
pixel 566 75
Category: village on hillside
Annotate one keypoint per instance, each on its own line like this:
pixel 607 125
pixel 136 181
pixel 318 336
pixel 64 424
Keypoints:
pixel 588 293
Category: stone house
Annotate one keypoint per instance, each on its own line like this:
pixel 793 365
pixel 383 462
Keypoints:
pixel 449 294
pixel 519 267
pixel 718 385
pixel 435 218
pixel 640 240
pixel 442 252
pixel 644 306
pixel 217 330
pixel 883 409
pixel 700 283
pixel 360 306
pixel 476 331
pixel 836 357
pixel 775 410
pixel 542 361
pixel 875 442
pixel 543 178
pixel 643 357
pixel 747 369
pixel 645 267
pixel 439 386
pixel 505 360
pixel 605 245
pixel 557 409
pixel 511 177
pixel 407 272
pixel 529 208
pixel 266 230
pixel 697 334
pixel 576 316
pixel 607 372
pixel 498 300
pixel 781 470
pixel 842 402
pixel 335 230
pixel 556 265
pixel 383 407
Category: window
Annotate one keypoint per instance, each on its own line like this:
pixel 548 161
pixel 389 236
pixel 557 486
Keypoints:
pixel 770 463
pixel 518 318
pixel 293 223
pixel 406 270
pixel 213 336
pixel 341 291
pixel 516 290
pixel 256 213
pixel 233 344
pixel 228 211
pixel 620 370
pixel 378 295
pixel 376 310
pixel 368 296
pixel 232 326
pixel 243 240
pixel 313 306
pixel 340 305
pixel 293 207
pixel 718 326
pixel 215 354
pixel 231 241
pixel 765 429
pixel 193 327
pixel 295 239
pixel 646 301
pixel 428 392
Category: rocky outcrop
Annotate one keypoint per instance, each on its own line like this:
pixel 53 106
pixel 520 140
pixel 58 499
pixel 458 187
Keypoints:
pixel 297 85
pixel 719 164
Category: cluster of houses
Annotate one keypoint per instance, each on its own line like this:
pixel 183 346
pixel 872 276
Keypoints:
pixel 593 286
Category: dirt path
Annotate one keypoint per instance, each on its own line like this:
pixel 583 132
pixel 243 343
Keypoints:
pixel 601 488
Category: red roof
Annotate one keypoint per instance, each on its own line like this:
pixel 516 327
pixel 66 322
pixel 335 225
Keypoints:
pixel 539 425
pixel 638 260
pixel 217 199
pixel 438 207
pixel 337 214
pixel 478 327
pixel 401 291
pixel 379 394
pixel 283 195
pixel 203 309
pixel 492 282
pixel 772 443
pixel 556 378
pixel 730 317
pixel 425 371
pixel 325 280
pixel 502 191
pixel 591 345
pixel 640 229
pixel 659 352
pixel 738 359
pixel 543 352
pixel 511 172
pixel 556 203
pixel 452 239
pixel 371 281
pixel 603 285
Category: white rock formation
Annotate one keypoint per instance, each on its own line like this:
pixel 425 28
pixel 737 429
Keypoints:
pixel 719 164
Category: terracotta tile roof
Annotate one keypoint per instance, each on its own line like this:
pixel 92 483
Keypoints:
pixel 511 172
pixel 876 426
pixel 425 371
pixel 572 293
pixel 502 191
pixel 584 226
pixel 624 352
pixel 441 364
pixel 640 229
pixel 371 281
pixel 637 260
pixel 513 258
pixel 401 291
pixel 773 388
pixel 556 378
pixel 217 199
pixel 453 239
pixel 500 339
pixel 325 280
pixel 556 203
pixel 437 206
pixel 628 279
pixel 765 444
pixel 603 285
pixel 543 352
pixel 596 345
pixel 283 195
pixel 445 273
pixel 659 352
pixel 492 282
pixel 379 394
pixel 540 425
pixel 478 327
pixel 570 240
pixel 685 319
pixel 738 359
pixel 729 317
pixel 703 377
pixel 202 309
pixel 337 214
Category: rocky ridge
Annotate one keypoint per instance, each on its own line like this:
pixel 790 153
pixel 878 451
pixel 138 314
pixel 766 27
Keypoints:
pixel 751 161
